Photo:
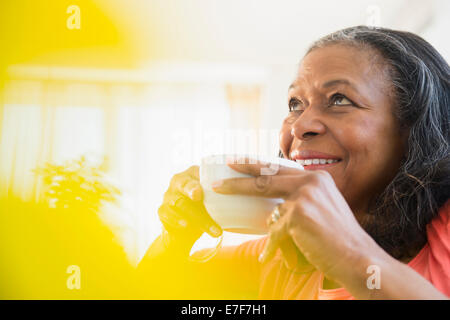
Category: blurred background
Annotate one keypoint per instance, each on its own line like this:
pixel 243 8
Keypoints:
pixel 102 101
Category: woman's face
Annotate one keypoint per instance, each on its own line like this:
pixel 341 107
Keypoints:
pixel 340 108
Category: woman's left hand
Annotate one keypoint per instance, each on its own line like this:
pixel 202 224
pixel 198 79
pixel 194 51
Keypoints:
pixel 314 216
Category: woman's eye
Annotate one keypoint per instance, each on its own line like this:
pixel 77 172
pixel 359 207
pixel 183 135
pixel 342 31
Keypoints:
pixel 340 100
pixel 294 105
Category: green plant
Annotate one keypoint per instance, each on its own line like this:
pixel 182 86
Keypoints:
pixel 77 184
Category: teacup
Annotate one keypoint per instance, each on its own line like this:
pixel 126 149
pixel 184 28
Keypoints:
pixel 238 213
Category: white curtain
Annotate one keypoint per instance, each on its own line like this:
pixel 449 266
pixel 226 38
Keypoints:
pixel 146 132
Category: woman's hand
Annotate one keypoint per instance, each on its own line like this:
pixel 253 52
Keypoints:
pixel 182 212
pixel 314 216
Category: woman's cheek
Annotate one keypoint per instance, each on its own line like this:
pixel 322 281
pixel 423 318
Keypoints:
pixel 357 136
pixel 365 146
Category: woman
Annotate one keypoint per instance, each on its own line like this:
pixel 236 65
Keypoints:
pixel 373 224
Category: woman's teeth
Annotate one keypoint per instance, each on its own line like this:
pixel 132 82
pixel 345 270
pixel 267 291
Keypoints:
pixel 307 162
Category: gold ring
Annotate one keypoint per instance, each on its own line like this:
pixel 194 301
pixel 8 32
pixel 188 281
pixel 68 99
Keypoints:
pixel 276 213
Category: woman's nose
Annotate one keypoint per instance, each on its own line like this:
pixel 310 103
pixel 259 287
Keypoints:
pixel 308 125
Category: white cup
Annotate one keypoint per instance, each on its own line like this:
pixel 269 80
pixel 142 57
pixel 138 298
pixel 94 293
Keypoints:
pixel 238 213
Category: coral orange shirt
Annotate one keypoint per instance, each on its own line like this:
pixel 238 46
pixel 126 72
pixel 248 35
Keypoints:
pixel 276 281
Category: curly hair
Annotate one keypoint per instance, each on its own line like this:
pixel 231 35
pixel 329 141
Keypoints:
pixel 420 79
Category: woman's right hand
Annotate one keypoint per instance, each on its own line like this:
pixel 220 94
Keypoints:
pixel 182 213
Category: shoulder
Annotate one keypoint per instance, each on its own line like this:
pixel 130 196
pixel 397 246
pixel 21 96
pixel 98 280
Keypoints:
pixel 433 262
pixel 439 227
pixel 438 238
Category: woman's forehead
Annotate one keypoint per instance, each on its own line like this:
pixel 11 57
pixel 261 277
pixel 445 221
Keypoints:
pixel 348 63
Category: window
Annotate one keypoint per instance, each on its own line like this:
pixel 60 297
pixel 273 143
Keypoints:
pixel 145 128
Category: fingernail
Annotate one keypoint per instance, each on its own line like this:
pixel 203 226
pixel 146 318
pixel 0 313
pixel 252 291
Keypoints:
pixel 215 231
pixel 217 184
pixel 182 223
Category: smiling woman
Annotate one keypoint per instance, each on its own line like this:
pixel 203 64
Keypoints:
pixel 404 92
pixel 344 107
pixel 369 120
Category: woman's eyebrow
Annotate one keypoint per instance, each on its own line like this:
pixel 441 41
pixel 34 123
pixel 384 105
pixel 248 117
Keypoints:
pixel 332 83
